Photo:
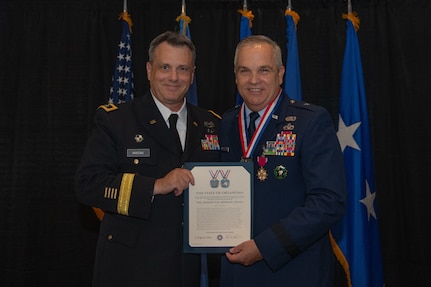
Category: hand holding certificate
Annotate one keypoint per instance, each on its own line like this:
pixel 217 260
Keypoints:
pixel 217 209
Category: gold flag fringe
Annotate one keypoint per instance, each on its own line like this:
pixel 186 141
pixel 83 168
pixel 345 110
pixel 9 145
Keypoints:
pixel 353 17
pixel 99 213
pixel 341 258
pixel 294 15
pixel 247 14
pixel 186 19
pixel 126 17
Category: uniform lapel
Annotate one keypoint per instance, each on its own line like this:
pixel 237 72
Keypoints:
pixel 235 135
pixel 194 133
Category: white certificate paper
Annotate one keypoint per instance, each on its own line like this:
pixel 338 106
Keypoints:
pixel 218 208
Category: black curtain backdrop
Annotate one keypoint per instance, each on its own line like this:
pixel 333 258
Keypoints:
pixel 56 64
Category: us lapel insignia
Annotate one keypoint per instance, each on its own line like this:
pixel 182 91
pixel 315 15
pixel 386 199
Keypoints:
pixel 139 138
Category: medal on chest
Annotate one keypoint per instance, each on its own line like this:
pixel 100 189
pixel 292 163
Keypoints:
pixel 262 175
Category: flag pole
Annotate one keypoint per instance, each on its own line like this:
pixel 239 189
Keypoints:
pixel 125 6
pixel 183 19
pixel 292 13
pixel 352 16
pixel 247 14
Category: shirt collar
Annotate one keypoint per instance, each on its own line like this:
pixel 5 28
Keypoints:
pixel 166 112
pixel 248 111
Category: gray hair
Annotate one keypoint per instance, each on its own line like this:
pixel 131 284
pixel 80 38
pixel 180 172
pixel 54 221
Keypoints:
pixel 260 39
pixel 174 39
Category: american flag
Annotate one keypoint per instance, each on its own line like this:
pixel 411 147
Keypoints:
pixel 122 81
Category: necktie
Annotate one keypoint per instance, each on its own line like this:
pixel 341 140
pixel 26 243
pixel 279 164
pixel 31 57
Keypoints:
pixel 173 127
pixel 252 124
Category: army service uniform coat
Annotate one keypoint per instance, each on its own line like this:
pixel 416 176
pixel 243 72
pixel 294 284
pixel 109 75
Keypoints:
pixel 140 241
pixel 303 196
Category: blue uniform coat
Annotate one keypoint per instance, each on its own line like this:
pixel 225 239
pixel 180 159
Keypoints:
pixel 292 215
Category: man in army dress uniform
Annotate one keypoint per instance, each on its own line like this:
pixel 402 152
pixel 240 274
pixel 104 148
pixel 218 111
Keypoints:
pixel 131 169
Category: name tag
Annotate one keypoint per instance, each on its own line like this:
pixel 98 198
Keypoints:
pixel 142 152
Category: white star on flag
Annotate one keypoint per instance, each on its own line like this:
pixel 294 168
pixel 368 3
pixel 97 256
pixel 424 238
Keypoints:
pixel 345 134
pixel 368 201
pixel 122 80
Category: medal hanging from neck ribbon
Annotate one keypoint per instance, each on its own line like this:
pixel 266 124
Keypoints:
pixel 249 147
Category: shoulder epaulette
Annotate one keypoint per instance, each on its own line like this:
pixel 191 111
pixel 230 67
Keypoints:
pixel 108 108
pixel 234 108
pixel 302 105
pixel 215 114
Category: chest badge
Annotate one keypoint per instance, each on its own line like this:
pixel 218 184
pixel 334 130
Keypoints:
pixel 139 138
pixel 280 172
pixel 262 175
pixel 210 142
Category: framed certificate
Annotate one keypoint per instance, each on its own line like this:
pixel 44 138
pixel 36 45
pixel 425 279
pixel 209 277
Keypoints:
pixel 218 207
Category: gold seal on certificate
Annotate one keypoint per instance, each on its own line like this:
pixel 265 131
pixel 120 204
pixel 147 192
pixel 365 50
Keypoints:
pixel 217 213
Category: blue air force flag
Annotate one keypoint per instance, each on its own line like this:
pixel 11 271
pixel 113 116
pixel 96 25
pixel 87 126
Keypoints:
pixel 292 76
pixel 192 93
pixel 244 31
pixel 357 237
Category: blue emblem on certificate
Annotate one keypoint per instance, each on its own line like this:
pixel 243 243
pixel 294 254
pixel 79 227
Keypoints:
pixel 225 181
